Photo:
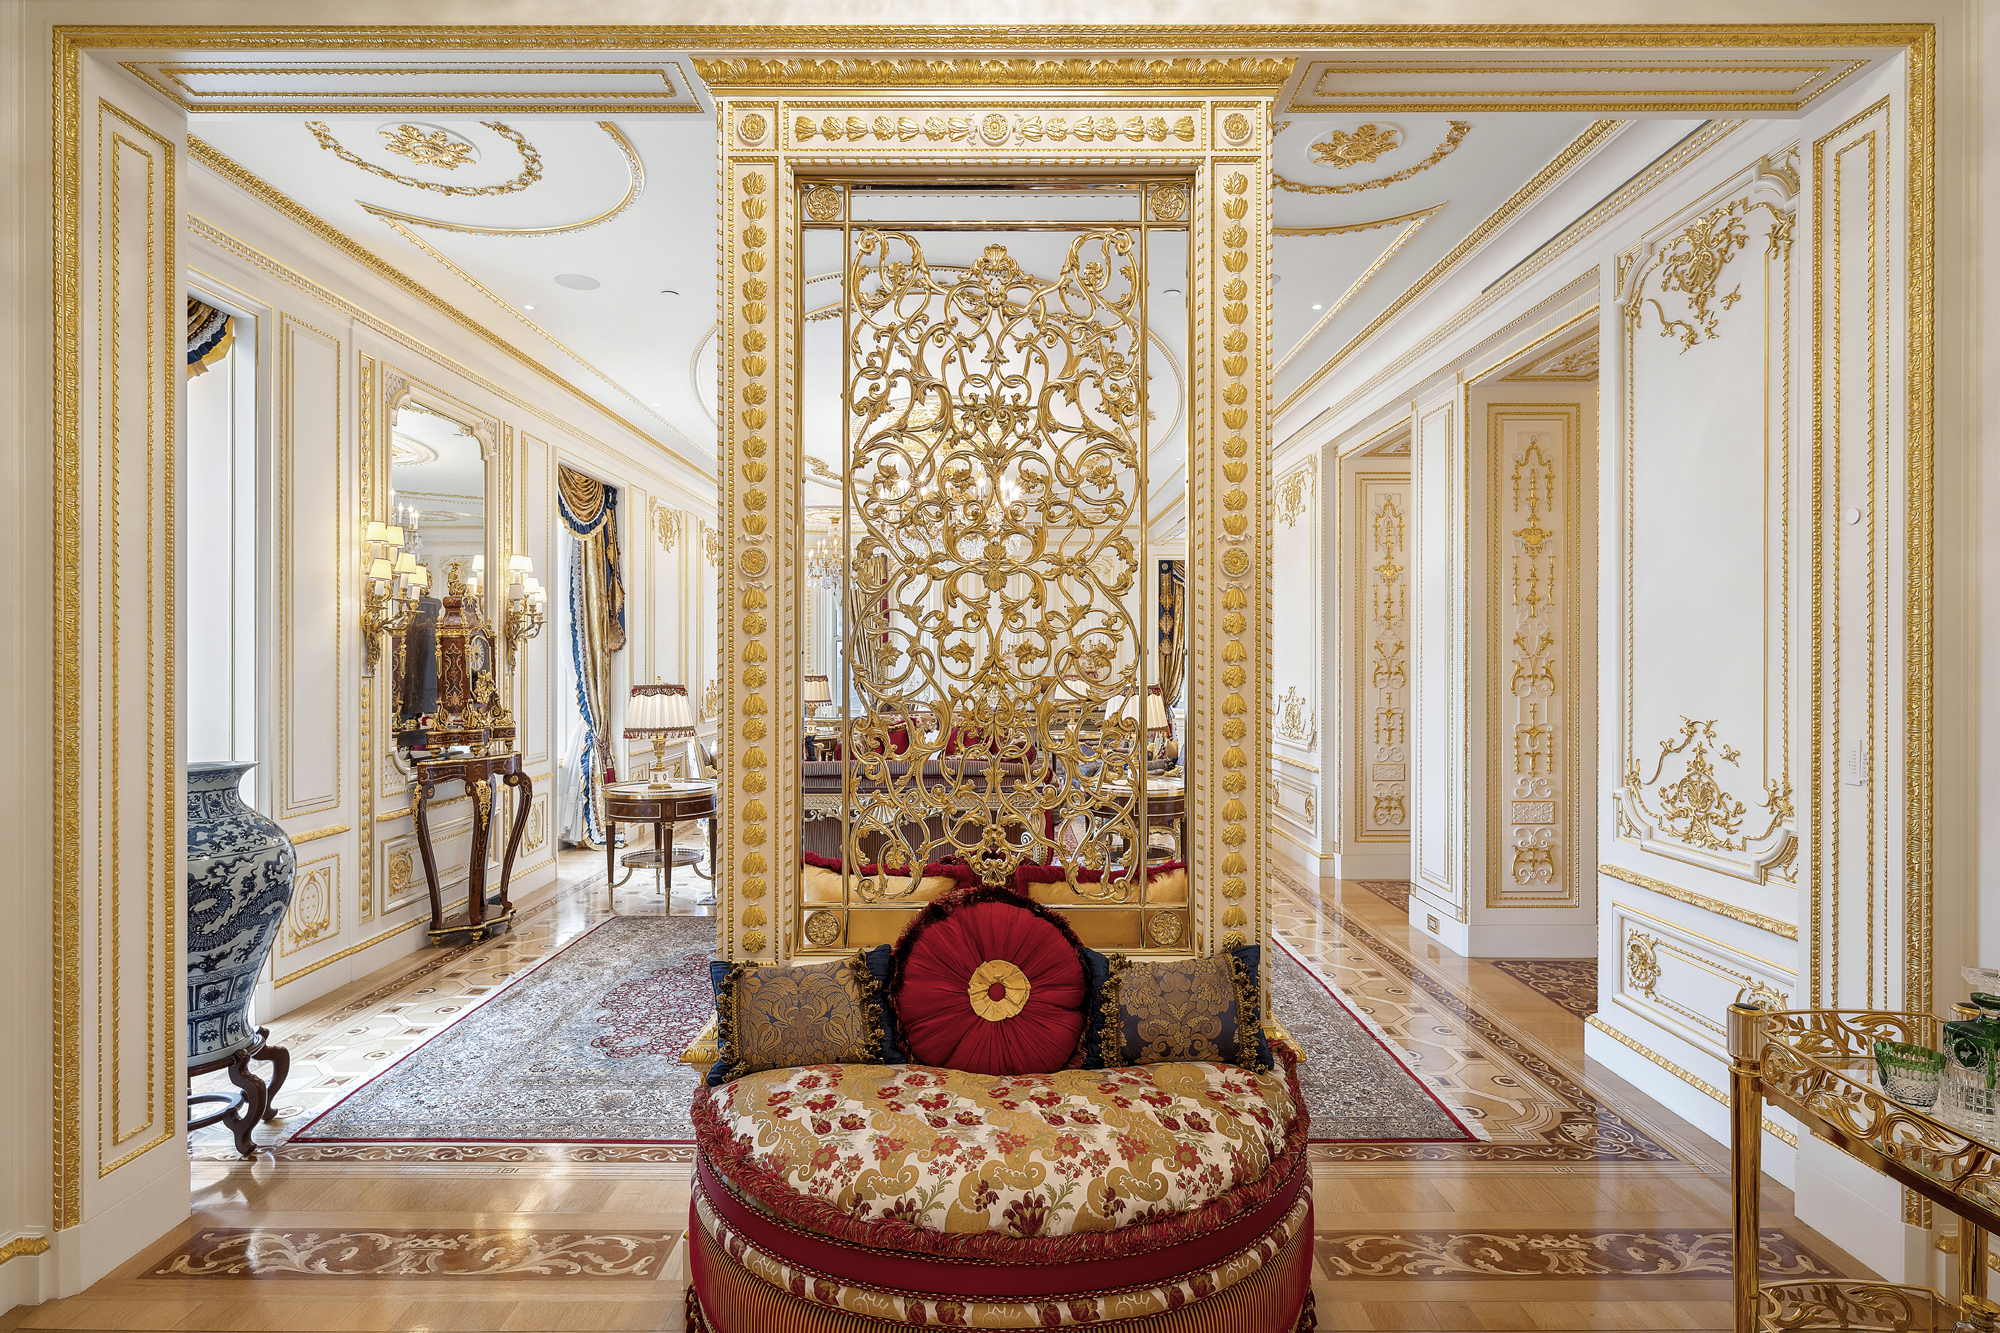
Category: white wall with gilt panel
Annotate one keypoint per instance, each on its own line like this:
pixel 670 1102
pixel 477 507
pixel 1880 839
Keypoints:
pixel 1298 693
pixel 1376 508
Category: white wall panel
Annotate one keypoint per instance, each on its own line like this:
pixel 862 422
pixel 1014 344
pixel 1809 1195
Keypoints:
pixel 314 561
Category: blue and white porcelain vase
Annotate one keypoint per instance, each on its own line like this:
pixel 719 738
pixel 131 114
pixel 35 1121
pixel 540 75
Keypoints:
pixel 240 868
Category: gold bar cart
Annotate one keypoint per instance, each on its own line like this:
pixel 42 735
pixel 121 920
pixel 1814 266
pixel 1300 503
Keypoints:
pixel 1818 1065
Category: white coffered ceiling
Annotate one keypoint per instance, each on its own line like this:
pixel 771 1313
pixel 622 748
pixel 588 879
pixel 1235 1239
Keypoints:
pixel 576 172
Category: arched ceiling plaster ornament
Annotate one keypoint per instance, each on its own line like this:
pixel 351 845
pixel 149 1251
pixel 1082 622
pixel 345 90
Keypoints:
pixel 531 163
pixel 1459 129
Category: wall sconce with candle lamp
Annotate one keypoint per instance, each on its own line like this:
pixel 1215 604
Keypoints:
pixel 392 585
pixel 526 605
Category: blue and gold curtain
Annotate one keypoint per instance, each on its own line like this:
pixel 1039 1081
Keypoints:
pixel 209 336
pixel 1172 630
pixel 589 510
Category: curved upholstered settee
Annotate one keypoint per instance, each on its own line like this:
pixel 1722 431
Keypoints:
pixel 864 1195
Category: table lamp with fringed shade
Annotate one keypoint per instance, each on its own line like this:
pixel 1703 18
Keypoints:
pixel 659 713
pixel 819 690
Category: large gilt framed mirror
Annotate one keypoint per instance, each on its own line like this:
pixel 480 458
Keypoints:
pixel 440 469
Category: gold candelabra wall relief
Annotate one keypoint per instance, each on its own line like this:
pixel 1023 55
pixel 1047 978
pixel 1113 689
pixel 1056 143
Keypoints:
pixel 1536 814
pixel 1382 671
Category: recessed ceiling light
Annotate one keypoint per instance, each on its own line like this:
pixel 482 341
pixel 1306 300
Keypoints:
pixel 578 282
pixel 1319 307
pixel 526 306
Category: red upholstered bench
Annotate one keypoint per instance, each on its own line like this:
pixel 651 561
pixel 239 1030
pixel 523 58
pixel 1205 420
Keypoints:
pixel 862 1197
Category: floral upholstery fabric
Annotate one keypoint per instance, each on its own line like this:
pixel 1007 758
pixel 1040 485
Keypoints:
pixel 1035 1167
pixel 780 1017
pixel 1191 1009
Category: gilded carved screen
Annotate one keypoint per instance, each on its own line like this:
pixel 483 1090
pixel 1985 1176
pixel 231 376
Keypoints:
pixel 1008 435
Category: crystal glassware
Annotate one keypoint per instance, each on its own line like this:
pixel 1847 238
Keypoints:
pixel 1910 1073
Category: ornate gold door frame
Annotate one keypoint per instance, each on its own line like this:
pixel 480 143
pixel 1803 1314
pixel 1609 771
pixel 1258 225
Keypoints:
pixel 1206 120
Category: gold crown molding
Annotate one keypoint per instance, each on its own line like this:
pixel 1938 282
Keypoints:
pixel 233 172
pixel 1694 1081
pixel 531 163
pixel 165 79
pixel 1586 143
pixel 21 1245
pixel 1290 762
pixel 1707 904
pixel 1342 229
pixel 1417 222
pixel 329 831
pixel 1683 153
pixel 635 185
pixel 1459 129
pixel 996 37
pixel 1234 73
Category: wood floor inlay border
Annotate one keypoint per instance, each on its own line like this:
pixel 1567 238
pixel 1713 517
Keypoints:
pixel 1557 1254
pixel 418 1252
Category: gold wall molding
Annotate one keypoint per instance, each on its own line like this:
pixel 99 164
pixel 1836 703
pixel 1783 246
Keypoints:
pixel 1452 139
pixel 1703 901
pixel 1575 360
pixel 1694 1081
pixel 1344 228
pixel 792 74
pixel 23 1245
pixel 314 912
pixel 331 830
pixel 1699 821
pixel 382 89
pixel 348 952
pixel 1584 145
pixel 1568 83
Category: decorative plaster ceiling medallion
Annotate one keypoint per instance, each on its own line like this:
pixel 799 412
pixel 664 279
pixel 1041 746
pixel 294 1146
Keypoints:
pixel 1364 144
pixel 531 163
pixel 409 452
pixel 429 146
pixel 1459 129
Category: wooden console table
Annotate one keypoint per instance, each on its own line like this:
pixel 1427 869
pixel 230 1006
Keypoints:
pixel 477 773
pixel 662 807
pixel 1819 1066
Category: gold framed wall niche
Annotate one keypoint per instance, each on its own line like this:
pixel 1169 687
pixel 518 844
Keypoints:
pixel 1208 122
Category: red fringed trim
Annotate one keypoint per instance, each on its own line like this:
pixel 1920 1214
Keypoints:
pixel 961 872
pixel 735 1161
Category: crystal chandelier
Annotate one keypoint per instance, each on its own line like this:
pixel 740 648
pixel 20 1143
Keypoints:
pixel 823 561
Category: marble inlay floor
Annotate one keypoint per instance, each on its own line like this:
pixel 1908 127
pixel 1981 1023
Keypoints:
pixel 1591 1208
pixel 1570 982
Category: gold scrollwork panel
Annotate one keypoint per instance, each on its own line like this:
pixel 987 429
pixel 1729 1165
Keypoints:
pixel 773 126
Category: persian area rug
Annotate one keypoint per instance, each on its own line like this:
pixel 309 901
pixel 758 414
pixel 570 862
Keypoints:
pixel 583 1049
pixel 1357 1087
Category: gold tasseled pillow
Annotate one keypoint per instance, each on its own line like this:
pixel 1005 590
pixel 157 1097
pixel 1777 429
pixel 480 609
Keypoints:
pixel 783 1017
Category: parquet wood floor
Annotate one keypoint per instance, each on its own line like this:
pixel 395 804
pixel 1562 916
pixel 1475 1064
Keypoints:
pixel 1620 1227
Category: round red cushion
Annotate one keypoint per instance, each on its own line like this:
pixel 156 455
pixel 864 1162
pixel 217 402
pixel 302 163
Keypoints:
pixel 934 1008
